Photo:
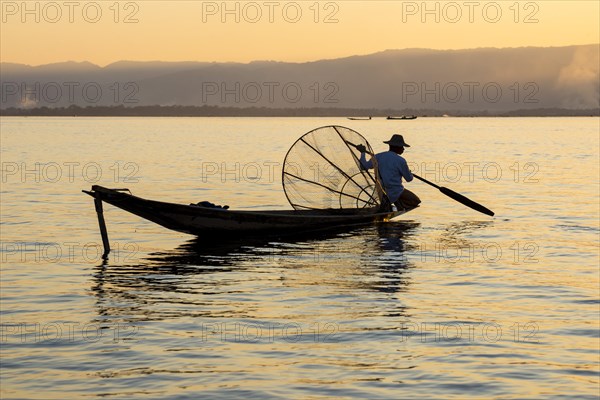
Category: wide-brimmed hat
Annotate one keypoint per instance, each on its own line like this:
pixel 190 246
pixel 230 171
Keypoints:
pixel 398 141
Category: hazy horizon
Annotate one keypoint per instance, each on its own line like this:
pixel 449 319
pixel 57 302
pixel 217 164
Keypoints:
pixel 378 54
pixel 497 80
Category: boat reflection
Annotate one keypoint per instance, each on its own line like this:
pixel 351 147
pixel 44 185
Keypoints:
pixel 231 278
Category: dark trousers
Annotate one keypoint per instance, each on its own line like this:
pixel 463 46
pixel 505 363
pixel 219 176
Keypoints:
pixel 407 200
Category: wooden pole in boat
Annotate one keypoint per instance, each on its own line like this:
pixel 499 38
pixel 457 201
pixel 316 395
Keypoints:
pixel 103 232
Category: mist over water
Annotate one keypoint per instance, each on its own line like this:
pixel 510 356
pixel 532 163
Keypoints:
pixel 445 303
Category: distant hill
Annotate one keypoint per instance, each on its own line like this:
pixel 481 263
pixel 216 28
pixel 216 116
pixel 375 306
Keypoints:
pixel 460 81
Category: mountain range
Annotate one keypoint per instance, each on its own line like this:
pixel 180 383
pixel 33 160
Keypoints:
pixel 483 79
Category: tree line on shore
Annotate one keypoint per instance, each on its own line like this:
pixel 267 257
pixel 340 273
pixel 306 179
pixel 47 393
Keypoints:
pixel 218 111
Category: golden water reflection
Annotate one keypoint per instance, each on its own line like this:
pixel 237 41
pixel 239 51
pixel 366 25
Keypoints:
pixel 211 278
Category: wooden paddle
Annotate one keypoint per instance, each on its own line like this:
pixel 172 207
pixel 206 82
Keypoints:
pixel 458 197
pixel 448 192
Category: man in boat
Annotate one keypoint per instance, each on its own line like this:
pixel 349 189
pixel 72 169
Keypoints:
pixel 392 168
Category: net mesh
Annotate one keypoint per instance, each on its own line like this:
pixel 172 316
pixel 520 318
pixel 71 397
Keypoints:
pixel 322 171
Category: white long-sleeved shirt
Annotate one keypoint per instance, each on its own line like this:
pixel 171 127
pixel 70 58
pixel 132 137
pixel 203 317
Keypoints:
pixel 392 168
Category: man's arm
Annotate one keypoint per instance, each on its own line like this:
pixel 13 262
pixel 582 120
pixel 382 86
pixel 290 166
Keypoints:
pixel 405 171
pixel 364 163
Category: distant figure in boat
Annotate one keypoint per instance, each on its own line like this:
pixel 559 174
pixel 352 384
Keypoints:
pixel 392 168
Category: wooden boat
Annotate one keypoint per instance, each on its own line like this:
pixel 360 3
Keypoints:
pixel 404 117
pixel 359 118
pixel 332 191
pixel 198 220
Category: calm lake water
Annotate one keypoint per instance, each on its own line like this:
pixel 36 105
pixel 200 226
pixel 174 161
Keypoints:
pixel 445 303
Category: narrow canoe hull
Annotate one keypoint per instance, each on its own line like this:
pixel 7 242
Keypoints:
pixel 202 221
pixel 404 117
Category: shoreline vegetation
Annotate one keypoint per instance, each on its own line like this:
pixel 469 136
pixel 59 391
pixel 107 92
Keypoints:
pixel 217 111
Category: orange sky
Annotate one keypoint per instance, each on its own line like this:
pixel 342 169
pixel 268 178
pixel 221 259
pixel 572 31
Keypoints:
pixel 40 32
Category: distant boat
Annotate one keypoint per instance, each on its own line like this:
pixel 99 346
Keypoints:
pixel 403 117
pixel 359 118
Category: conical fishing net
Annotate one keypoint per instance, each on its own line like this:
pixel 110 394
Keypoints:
pixel 322 171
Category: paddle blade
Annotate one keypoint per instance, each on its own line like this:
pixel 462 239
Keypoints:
pixel 466 201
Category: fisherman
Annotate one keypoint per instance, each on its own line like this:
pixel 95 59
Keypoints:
pixel 392 168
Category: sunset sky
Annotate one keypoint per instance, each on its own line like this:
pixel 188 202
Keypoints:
pixel 103 32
